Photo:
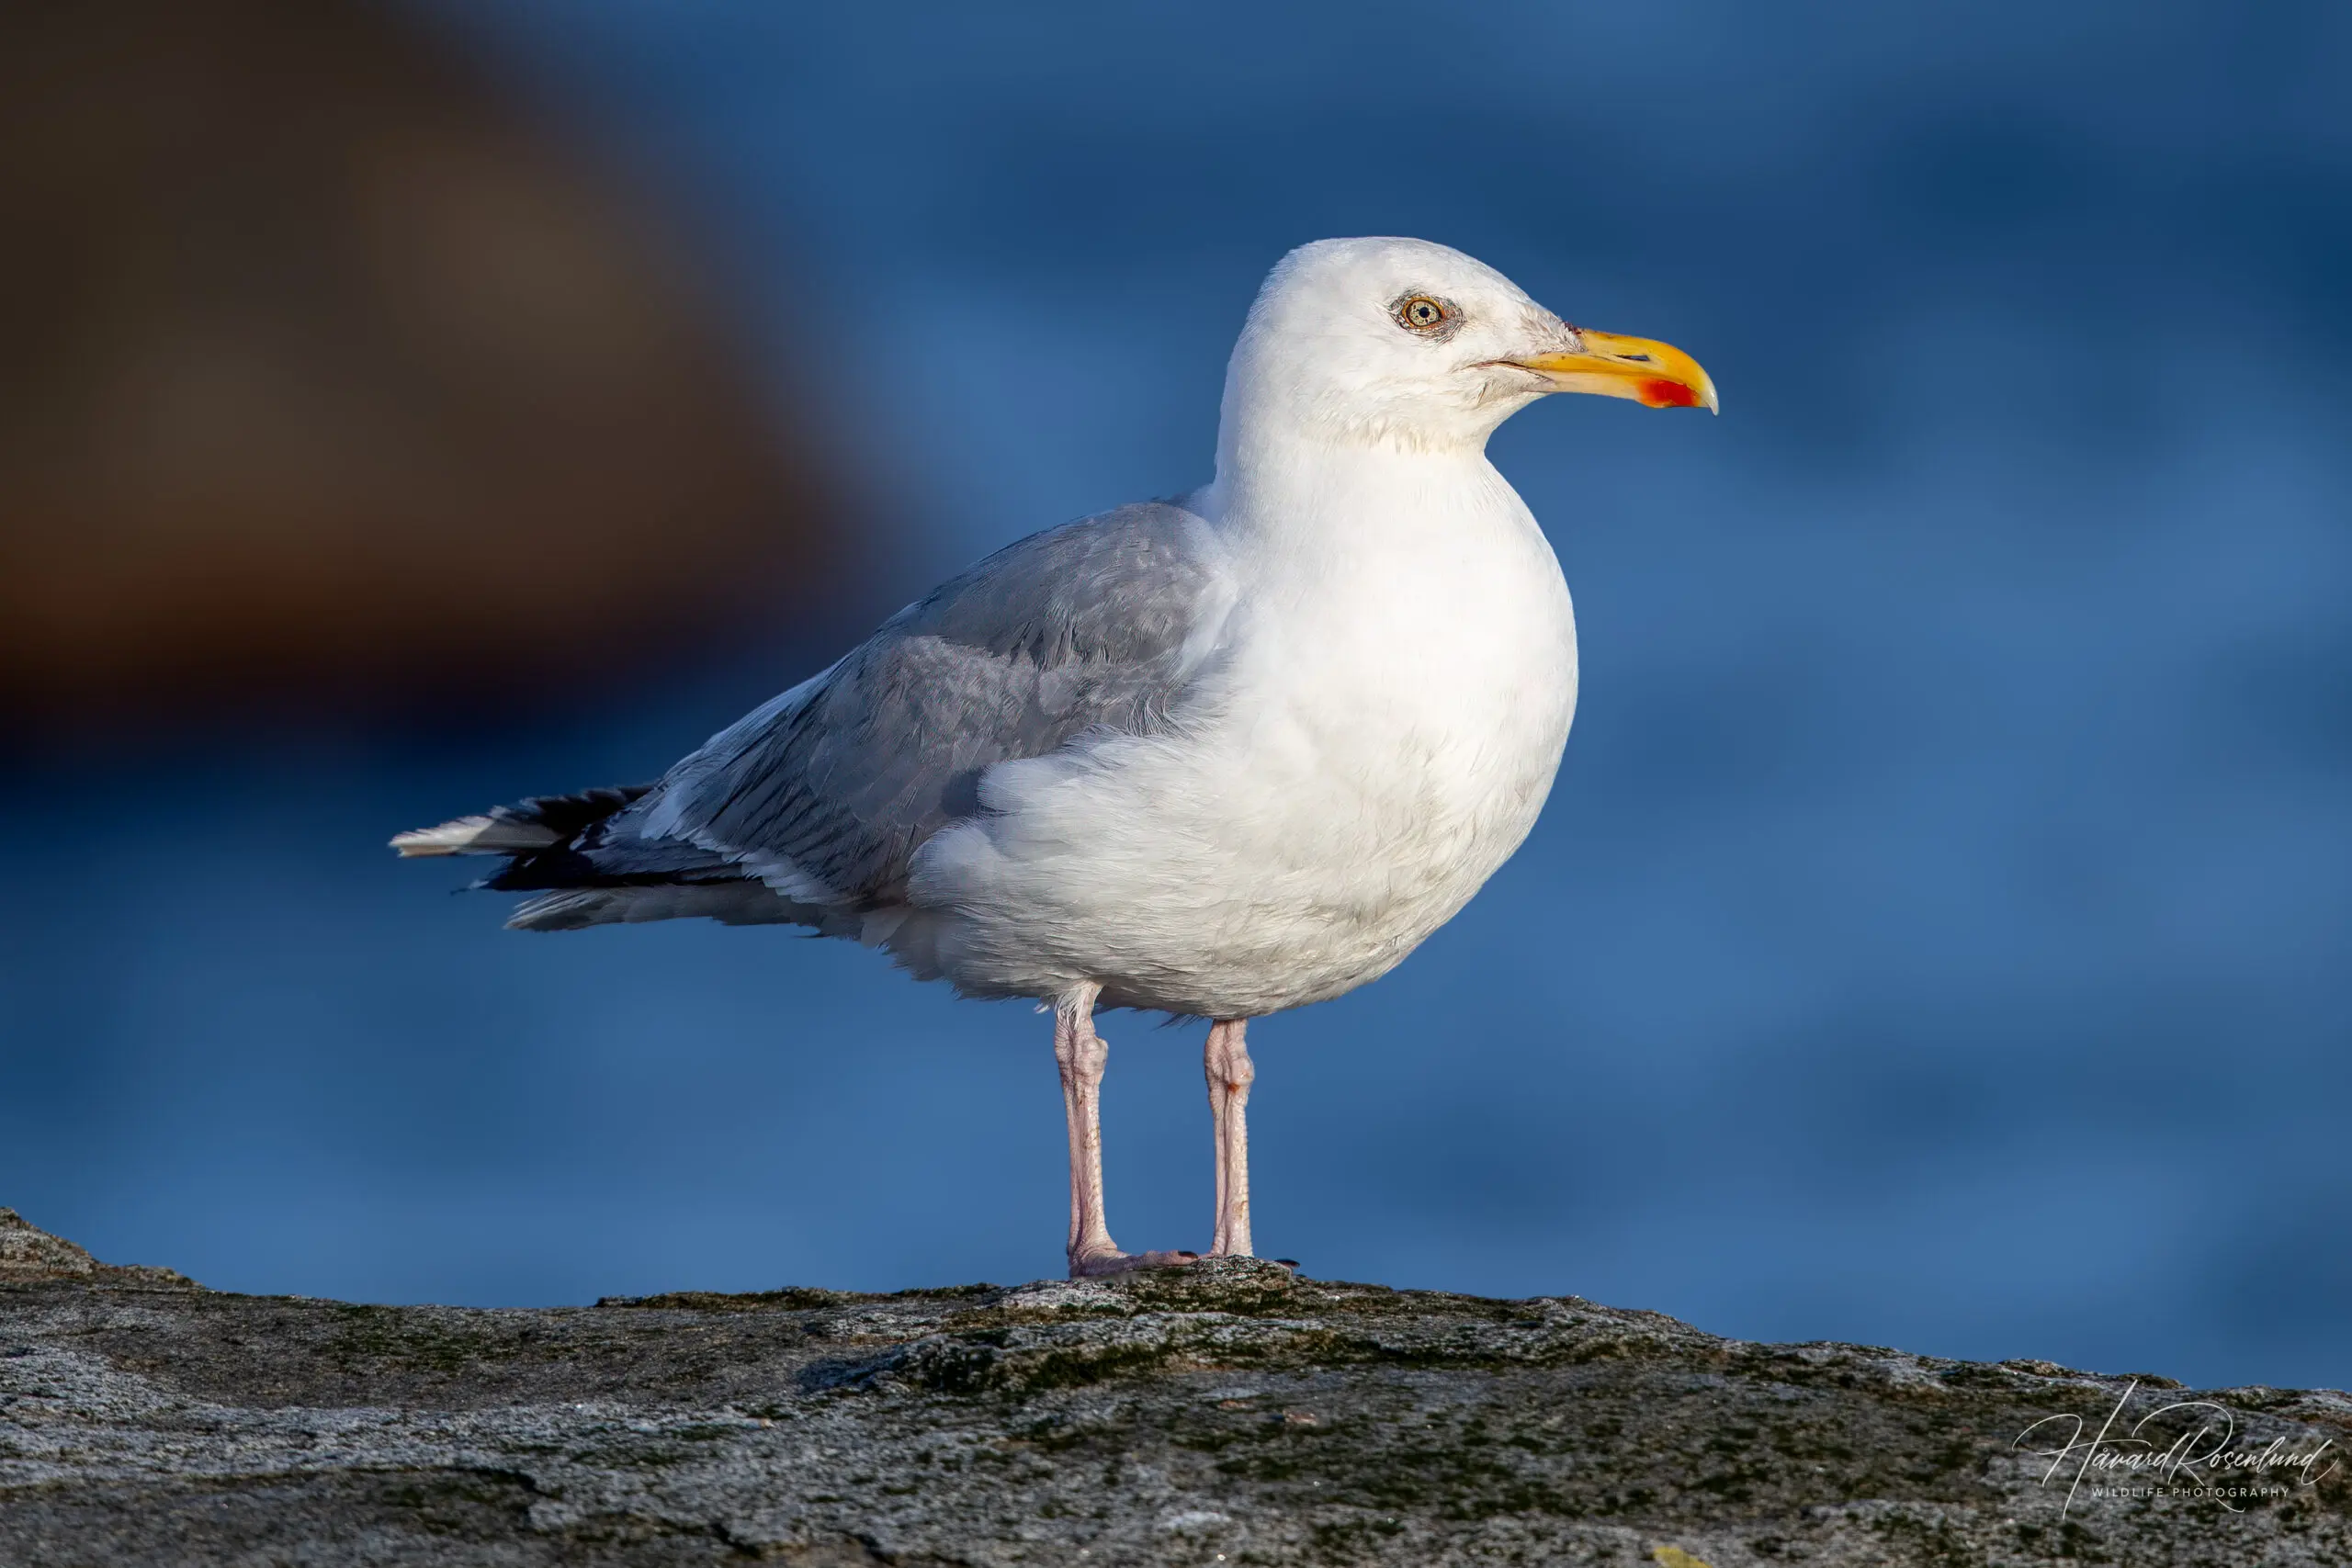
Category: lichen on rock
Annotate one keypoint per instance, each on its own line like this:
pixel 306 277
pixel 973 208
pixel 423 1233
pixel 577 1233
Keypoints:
pixel 29 1254
pixel 1229 1412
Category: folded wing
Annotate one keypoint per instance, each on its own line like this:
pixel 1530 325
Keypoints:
pixel 811 808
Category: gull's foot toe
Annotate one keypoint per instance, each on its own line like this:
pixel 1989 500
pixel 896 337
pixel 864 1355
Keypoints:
pixel 1094 1265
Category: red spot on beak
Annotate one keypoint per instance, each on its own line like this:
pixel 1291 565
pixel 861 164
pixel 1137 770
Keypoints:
pixel 1667 395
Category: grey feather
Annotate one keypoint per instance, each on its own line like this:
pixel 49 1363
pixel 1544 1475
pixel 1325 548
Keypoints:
pixel 827 790
pixel 729 903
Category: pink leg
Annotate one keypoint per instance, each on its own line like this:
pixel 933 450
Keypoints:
pixel 1230 1072
pixel 1082 1055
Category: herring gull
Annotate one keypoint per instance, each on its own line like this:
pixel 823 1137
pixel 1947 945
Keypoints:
pixel 1216 756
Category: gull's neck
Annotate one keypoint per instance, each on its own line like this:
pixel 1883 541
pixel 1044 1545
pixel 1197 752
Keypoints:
pixel 1259 430
pixel 1277 485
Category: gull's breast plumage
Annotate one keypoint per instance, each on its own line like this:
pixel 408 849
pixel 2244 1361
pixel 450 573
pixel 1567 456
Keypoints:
pixel 1374 734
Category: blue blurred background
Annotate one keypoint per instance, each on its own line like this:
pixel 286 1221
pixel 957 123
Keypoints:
pixel 1937 936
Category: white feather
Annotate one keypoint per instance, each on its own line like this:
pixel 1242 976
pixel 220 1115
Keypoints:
pixel 474 836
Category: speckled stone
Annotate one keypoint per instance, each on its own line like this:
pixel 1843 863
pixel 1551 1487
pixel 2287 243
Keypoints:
pixel 1227 1413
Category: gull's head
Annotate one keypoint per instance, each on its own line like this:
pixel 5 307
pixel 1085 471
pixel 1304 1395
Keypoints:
pixel 1402 343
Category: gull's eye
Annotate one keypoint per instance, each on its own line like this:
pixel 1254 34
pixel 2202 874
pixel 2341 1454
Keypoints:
pixel 1422 314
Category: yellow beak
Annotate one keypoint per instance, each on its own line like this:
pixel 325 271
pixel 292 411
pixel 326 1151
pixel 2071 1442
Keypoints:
pixel 1655 374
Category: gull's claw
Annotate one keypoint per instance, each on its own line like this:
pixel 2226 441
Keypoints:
pixel 1095 1265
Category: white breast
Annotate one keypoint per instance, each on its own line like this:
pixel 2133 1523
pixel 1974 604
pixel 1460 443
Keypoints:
pixel 1376 740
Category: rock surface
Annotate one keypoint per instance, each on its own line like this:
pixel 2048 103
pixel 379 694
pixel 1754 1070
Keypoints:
pixel 1228 1413
pixel 29 1254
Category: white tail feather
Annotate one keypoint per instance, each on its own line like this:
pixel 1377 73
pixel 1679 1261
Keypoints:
pixel 474 836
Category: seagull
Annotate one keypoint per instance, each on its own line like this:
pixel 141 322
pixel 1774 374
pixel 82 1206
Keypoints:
pixel 1216 756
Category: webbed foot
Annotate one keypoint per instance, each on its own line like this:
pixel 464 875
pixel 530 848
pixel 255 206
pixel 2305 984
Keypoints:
pixel 1095 1265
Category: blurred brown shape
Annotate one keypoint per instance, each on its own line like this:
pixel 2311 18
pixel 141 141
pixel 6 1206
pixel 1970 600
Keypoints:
pixel 327 381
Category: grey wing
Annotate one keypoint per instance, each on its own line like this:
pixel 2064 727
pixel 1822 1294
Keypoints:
pixel 827 792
